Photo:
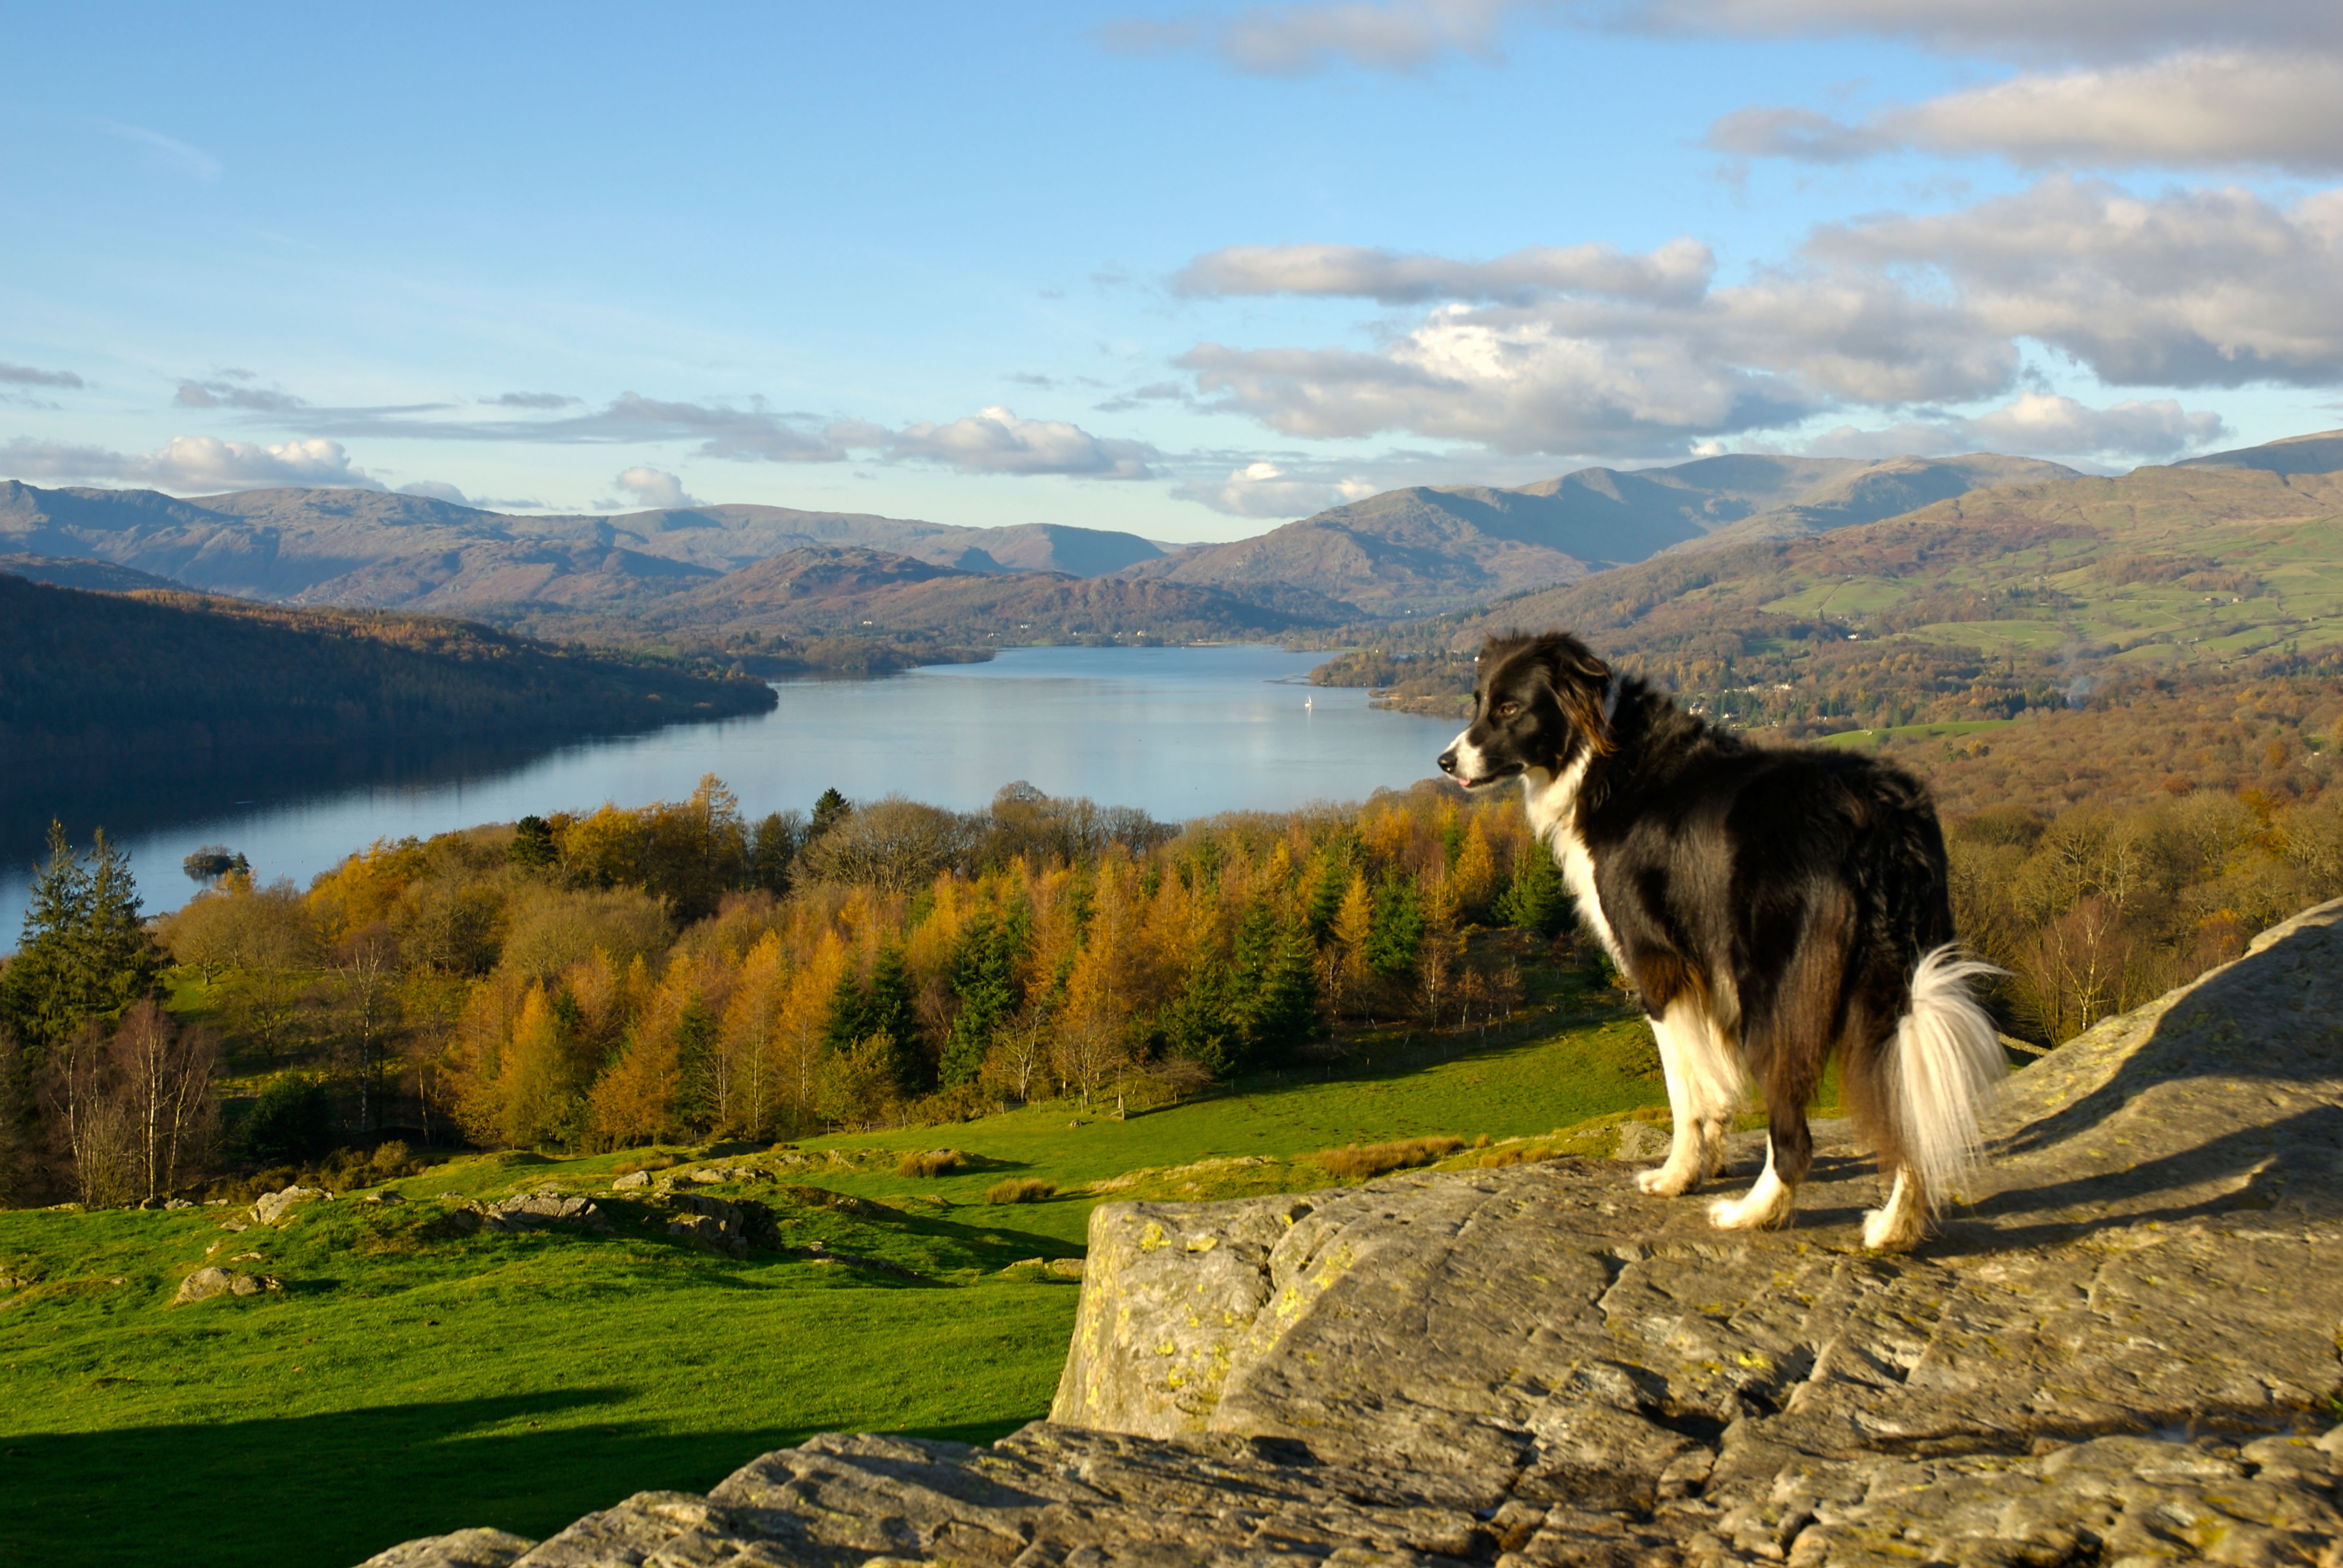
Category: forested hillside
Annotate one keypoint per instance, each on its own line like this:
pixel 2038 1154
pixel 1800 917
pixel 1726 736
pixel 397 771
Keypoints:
pixel 2107 639
pixel 141 680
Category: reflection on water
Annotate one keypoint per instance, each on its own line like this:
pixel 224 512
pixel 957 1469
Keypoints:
pixel 1181 732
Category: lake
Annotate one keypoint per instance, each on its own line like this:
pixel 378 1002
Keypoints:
pixel 1180 731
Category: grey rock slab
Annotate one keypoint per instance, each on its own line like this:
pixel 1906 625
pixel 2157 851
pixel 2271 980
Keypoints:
pixel 2120 1347
pixel 535 1210
pixel 204 1285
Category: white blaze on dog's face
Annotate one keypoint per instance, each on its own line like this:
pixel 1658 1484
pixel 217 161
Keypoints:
pixel 1536 704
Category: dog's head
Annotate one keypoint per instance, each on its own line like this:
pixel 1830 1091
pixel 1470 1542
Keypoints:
pixel 1538 703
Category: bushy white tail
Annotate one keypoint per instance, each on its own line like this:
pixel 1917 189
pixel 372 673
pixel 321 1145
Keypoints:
pixel 1946 1065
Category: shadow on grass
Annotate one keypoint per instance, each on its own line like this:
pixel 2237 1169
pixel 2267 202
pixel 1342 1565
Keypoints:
pixel 330 1490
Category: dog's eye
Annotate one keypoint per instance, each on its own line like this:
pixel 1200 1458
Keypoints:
pixel 1507 710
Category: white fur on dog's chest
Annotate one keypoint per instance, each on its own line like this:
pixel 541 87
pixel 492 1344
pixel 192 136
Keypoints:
pixel 1553 819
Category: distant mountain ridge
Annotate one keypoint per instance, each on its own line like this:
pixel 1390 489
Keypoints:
pixel 1427 549
pixel 829 590
pixel 373 549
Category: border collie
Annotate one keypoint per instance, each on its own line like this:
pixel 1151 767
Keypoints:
pixel 1771 905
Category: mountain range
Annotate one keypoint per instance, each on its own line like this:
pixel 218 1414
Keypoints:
pixel 727 570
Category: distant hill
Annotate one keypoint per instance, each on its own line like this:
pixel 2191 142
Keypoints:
pixel 826 591
pixel 370 548
pixel 2209 590
pixel 151 680
pixel 1425 550
pixel 99 577
pixel 2317 454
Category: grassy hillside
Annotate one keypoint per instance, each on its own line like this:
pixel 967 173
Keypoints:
pixel 142 679
pixel 427 1381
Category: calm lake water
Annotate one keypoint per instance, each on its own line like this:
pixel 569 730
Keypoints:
pixel 1182 732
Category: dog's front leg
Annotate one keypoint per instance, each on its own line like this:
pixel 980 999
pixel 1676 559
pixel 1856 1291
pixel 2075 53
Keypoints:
pixel 1691 1155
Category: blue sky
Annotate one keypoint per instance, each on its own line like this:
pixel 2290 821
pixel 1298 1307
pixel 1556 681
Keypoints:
pixel 1185 270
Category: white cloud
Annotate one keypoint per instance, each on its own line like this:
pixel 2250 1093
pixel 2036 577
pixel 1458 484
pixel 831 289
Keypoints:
pixel 2195 288
pixel 996 441
pixel 1679 269
pixel 2041 425
pixel 2198 109
pixel 1263 489
pixel 1299 40
pixel 192 464
pixel 436 489
pixel 656 487
pixel 26 376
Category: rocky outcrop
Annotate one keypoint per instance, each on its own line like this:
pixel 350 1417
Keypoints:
pixel 205 1283
pixel 712 1223
pixel 530 1211
pixel 2123 1348
pixel 270 1207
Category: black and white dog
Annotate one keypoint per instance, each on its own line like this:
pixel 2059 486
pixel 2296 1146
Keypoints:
pixel 1771 905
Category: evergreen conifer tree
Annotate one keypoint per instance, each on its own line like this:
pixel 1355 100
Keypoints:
pixel 84 952
pixel 828 812
pixel 982 979
pixel 1395 935
pixel 695 1030
pixel 1537 900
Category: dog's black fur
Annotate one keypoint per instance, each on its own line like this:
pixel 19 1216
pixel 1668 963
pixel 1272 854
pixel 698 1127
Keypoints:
pixel 1787 893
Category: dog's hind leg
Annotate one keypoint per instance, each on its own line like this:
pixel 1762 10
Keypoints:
pixel 1789 1151
pixel 1897 1225
pixel 1703 1084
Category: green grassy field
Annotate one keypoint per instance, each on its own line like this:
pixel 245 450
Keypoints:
pixel 407 1380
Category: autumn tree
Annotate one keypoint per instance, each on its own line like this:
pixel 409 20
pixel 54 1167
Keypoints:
pixel 168 1077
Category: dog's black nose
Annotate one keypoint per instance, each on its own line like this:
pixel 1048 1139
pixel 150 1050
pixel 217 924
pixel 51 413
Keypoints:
pixel 1448 761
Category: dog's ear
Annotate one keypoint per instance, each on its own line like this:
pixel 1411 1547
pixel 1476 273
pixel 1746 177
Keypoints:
pixel 1579 679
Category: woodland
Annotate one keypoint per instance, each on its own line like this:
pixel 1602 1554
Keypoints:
pixel 143 681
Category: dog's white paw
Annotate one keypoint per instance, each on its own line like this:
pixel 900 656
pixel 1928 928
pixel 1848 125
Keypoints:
pixel 1668 1181
pixel 1896 1225
pixel 1761 1208
pixel 1890 1231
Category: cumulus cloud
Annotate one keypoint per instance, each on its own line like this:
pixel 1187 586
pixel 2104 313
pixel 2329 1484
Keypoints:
pixel 1265 489
pixel 26 376
pixel 1679 269
pixel 2193 288
pixel 1575 375
pixel 2038 424
pixel 435 490
pixel 2195 109
pixel 655 488
pixel 1299 40
pixel 996 441
pixel 192 464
